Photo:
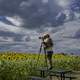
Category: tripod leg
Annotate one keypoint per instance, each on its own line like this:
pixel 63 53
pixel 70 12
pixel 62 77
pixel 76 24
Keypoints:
pixel 39 55
pixel 46 59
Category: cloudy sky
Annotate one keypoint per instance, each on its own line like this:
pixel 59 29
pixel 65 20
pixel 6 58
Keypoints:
pixel 23 21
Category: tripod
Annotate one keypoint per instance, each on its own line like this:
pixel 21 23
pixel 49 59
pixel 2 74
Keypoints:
pixel 41 46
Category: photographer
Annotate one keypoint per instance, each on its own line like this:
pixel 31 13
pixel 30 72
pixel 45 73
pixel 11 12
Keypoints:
pixel 48 47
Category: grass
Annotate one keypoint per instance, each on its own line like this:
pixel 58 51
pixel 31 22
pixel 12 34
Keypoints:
pixel 17 66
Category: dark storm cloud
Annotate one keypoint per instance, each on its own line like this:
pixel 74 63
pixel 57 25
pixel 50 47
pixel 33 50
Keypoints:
pixel 33 12
pixel 16 37
pixel 9 7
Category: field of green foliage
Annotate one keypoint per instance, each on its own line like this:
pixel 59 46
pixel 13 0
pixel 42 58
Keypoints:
pixel 17 66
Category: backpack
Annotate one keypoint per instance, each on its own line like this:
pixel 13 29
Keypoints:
pixel 49 43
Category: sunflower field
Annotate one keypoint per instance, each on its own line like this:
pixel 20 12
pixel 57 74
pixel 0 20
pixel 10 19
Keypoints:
pixel 18 66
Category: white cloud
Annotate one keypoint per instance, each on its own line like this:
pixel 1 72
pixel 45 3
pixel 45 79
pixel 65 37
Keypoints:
pixel 77 15
pixel 62 37
pixel 68 30
pixel 11 28
pixel 16 20
pixel 63 3
pixel 45 1
pixel 27 35
pixel 25 4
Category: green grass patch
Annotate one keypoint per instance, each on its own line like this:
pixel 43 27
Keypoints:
pixel 17 66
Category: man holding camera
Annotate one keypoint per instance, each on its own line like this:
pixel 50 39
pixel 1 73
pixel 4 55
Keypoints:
pixel 48 47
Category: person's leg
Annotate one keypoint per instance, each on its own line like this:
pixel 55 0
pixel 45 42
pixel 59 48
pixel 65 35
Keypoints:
pixel 49 56
pixel 50 62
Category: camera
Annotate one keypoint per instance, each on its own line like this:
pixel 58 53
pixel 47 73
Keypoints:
pixel 40 37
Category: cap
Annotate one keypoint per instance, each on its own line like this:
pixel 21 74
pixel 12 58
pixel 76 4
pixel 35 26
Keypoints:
pixel 46 35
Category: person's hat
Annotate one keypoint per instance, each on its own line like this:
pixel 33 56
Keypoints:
pixel 46 35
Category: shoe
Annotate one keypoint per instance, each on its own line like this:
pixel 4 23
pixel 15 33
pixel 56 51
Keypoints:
pixel 50 68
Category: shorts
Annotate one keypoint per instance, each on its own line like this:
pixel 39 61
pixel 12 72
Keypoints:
pixel 49 54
